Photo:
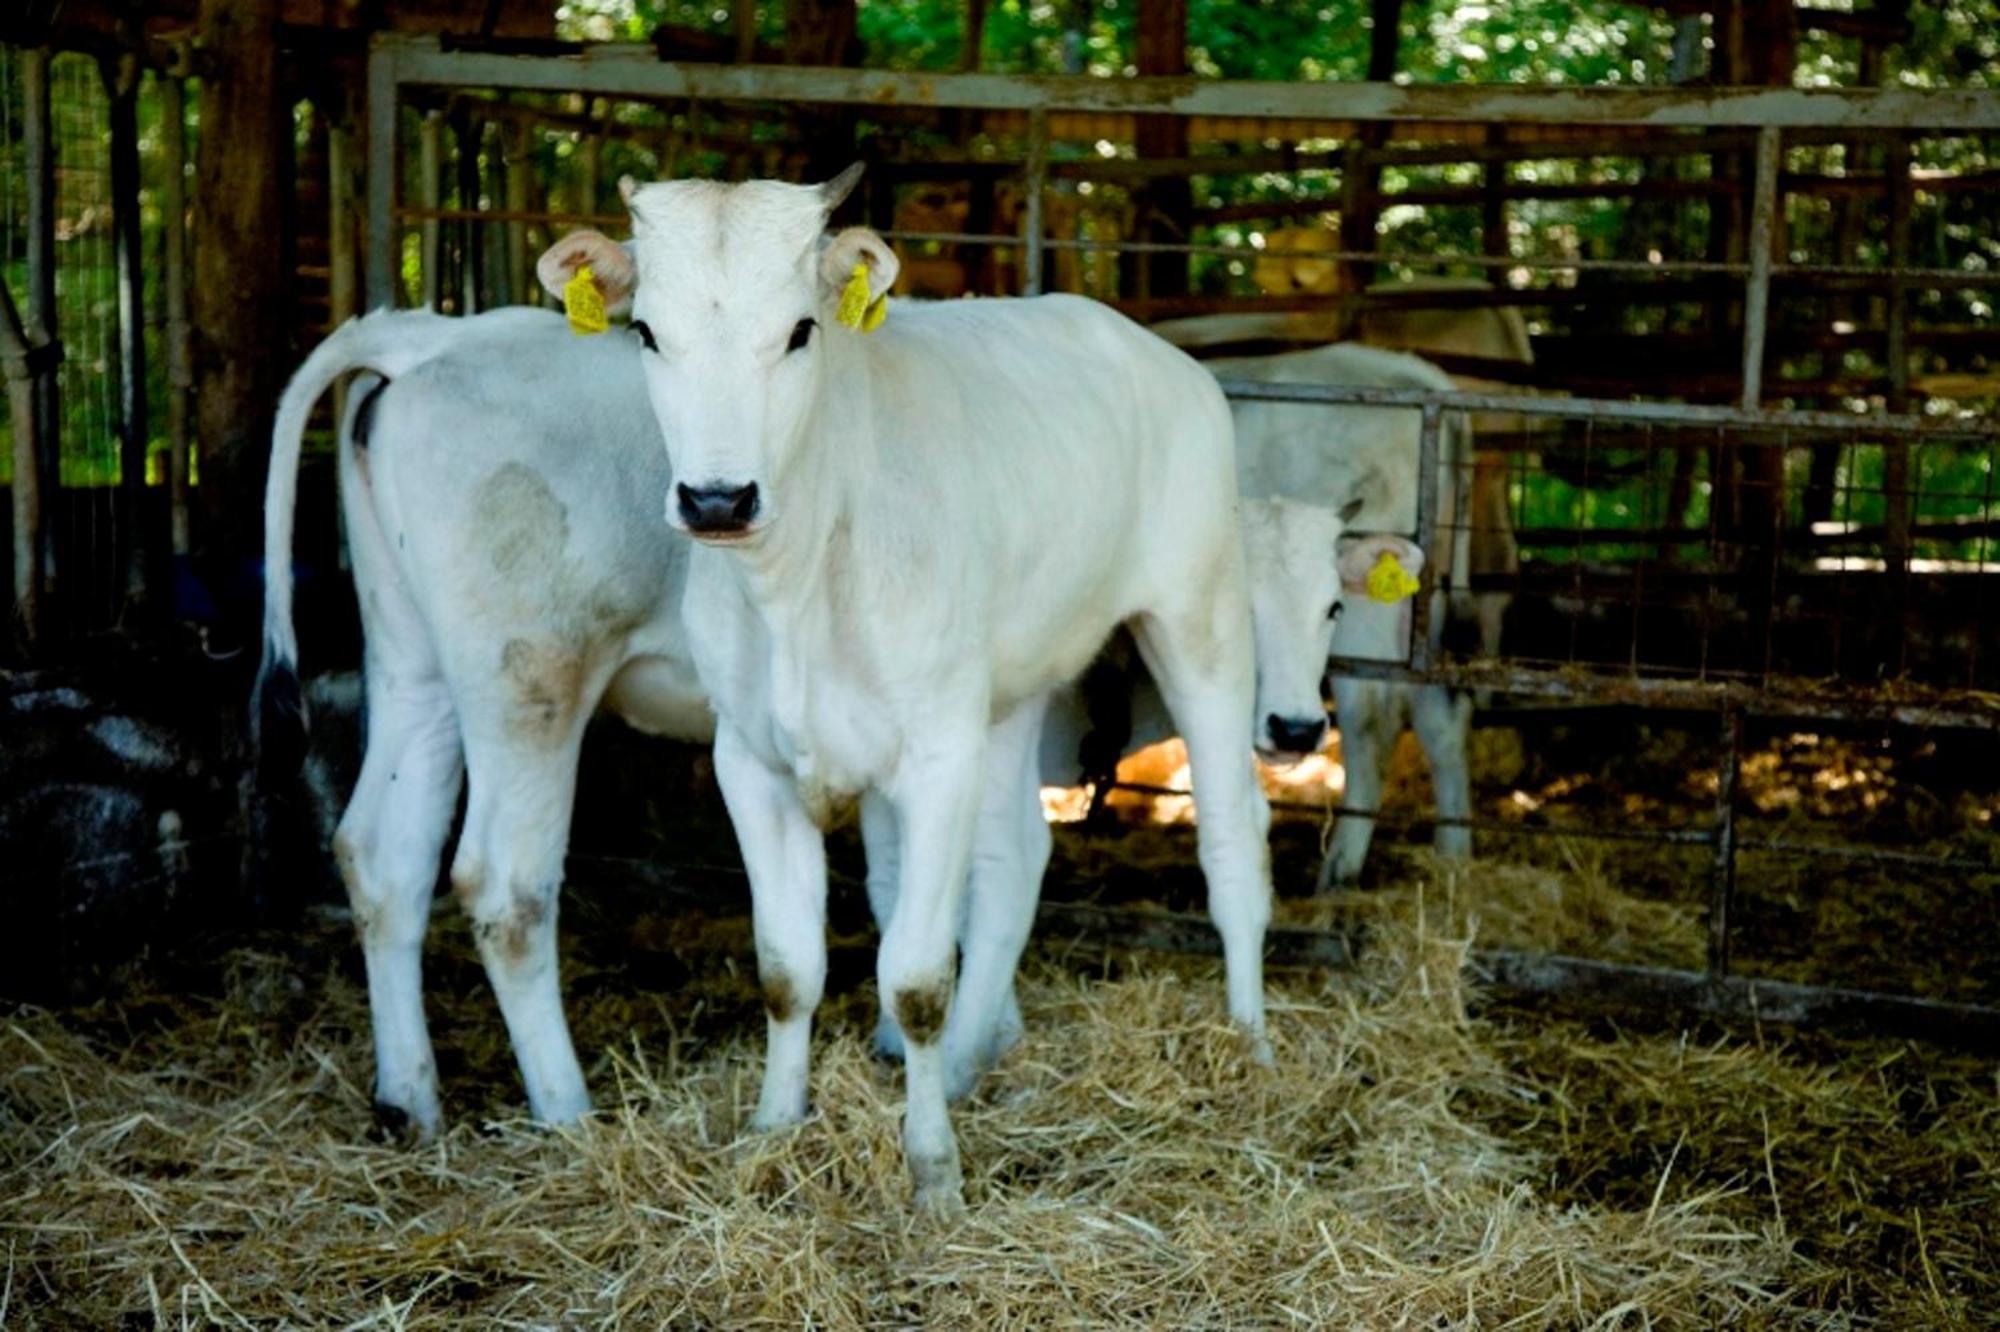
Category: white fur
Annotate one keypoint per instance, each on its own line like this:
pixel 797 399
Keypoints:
pixel 513 576
pixel 1335 455
pixel 955 512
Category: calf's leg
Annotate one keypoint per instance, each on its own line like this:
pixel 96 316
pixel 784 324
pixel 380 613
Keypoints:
pixel 1367 717
pixel 880 842
pixel 388 846
pixel 507 875
pixel 1442 721
pixel 1010 851
pixel 785 854
pixel 937 798
pixel 1207 677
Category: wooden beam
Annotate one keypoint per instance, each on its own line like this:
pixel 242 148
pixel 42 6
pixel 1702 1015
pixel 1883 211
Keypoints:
pixel 121 85
pixel 1166 204
pixel 17 347
pixel 241 293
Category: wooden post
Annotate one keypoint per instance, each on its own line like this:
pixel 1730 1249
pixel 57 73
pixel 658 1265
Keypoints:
pixel 173 262
pixel 1764 237
pixel 16 346
pixel 1896 454
pixel 39 154
pixel 975 35
pixel 1360 171
pixel 519 178
pixel 822 32
pixel 1493 205
pixel 589 163
pixel 472 241
pixel 241 294
pixel 342 232
pixel 121 84
pixel 1166 204
pixel 384 250
pixel 1035 183
pixel 430 159
pixel 744 15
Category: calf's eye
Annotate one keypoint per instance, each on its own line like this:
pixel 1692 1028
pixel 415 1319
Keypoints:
pixel 1333 611
pixel 801 334
pixel 645 333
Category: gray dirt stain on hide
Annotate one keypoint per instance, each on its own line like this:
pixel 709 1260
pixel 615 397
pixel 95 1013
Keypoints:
pixel 781 1000
pixel 346 857
pixel 921 1009
pixel 546 680
pixel 522 524
pixel 512 935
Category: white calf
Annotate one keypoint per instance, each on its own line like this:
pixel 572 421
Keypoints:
pixel 1335 457
pixel 906 539
pixel 502 510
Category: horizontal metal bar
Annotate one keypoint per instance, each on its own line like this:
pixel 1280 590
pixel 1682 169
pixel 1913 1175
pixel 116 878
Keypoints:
pixel 1794 1004
pixel 1506 969
pixel 1175 932
pixel 1611 409
pixel 1975 1026
pixel 1412 822
pixel 636 71
pixel 1893 704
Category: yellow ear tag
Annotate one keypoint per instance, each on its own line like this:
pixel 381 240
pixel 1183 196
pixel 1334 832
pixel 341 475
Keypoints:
pixel 584 303
pixel 856 310
pixel 1389 582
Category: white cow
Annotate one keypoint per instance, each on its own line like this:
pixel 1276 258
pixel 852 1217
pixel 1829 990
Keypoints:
pixel 513 576
pixel 443 435
pixel 1335 457
pixel 906 540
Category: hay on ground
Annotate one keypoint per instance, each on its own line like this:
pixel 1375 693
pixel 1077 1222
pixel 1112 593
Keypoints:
pixel 177 1161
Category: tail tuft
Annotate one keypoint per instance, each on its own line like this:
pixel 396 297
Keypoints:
pixel 278 716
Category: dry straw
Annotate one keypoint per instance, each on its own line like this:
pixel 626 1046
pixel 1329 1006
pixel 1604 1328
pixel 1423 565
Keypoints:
pixel 174 1161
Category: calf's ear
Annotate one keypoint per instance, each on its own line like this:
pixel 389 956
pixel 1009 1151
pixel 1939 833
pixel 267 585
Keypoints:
pixel 1359 557
pixel 857 246
pixel 610 264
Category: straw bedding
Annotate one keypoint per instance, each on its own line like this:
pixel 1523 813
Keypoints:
pixel 202 1153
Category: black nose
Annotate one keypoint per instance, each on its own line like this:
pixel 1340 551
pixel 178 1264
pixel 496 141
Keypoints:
pixel 717 509
pixel 1291 736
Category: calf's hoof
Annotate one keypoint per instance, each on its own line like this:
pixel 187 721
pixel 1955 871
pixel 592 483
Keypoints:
pixel 940 1194
pixel 776 1121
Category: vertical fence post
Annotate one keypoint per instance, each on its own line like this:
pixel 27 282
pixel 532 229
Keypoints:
pixel 121 79
pixel 1757 289
pixel 1722 872
pixel 382 156
pixel 1031 215
pixel 469 136
pixel 430 161
pixel 180 369
pixel 589 162
pixel 1896 452
pixel 1428 452
pixel 16 344
pixel 39 149
pixel 521 285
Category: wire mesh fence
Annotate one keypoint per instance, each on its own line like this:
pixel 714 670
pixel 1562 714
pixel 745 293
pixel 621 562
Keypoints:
pixel 90 527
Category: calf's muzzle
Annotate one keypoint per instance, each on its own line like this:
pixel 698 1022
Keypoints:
pixel 1294 735
pixel 717 510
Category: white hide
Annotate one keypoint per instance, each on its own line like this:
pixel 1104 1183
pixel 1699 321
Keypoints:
pixel 1333 456
pixel 513 575
pixel 952 514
